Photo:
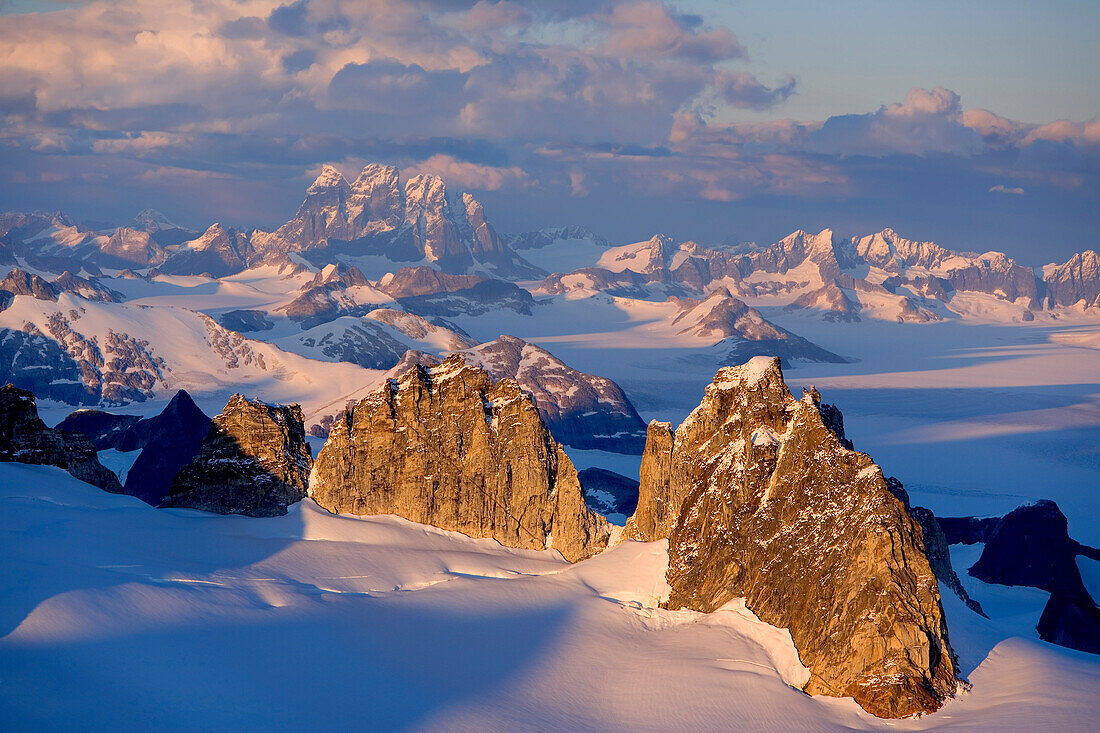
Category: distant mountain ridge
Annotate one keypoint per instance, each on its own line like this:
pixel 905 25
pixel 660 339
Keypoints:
pixel 419 222
pixel 883 274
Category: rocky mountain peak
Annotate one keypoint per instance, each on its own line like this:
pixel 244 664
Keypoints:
pixel 376 197
pixel 443 445
pixel 329 178
pixel 761 498
pixel 1075 281
pixel 213 235
pixel 425 195
pixel 21 282
pixel 889 250
pixel 375 216
pixel 581 410
pixel 152 221
pixel 339 274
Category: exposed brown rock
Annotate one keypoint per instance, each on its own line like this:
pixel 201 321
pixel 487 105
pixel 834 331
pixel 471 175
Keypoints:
pixel 444 446
pixel 254 461
pixel 24 438
pixel 761 500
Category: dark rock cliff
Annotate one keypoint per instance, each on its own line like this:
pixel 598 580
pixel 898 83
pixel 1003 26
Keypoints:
pixel 24 438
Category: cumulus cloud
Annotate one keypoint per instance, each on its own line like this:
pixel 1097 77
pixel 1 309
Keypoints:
pixel 648 30
pixel 1083 134
pixel 1001 188
pixel 926 122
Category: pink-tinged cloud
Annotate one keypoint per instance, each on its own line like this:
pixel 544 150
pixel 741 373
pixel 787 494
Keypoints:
pixel 485 16
pixel 924 102
pixel 472 176
pixel 1085 134
pixel 648 30
pixel 926 122
pixel 995 130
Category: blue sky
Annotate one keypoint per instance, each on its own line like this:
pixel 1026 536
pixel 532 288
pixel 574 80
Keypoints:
pixel 976 124
pixel 1030 61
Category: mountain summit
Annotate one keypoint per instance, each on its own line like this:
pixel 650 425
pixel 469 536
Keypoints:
pixel 420 222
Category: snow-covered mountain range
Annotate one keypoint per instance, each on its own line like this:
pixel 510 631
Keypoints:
pixel 321 308
pixel 971 376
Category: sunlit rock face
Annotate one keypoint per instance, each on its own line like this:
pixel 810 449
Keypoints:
pixel 254 461
pixel 418 222
pixel 1075 282
pixel 444 446
pixel 761 499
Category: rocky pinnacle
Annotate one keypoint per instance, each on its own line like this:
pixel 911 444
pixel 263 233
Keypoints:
pixel 443 445
pixel 761 500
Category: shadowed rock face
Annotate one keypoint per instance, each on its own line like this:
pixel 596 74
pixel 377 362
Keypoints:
pixel 761 500
pixel 445 446
pixel 608 492
pixel 24 438
pixel 254 461
pixel 1031 546
pixel 168 442
pixel 21 282
pixel 104 429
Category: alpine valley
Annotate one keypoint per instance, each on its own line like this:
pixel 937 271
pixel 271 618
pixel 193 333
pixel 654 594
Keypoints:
pixel 386 466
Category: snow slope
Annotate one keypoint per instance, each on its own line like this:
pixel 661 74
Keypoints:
pixel 118 615
pixel 175 348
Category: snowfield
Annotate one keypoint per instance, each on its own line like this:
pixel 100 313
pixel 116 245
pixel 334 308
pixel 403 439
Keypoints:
pixel 117 615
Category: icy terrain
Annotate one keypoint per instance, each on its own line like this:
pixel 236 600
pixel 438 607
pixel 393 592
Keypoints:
pixel 116 614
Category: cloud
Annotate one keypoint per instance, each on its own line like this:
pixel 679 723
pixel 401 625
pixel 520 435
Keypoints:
pixel 739 89
pixel 142 143
pixel 649 30
pixel 1082 134
pixel 494 15
pixel 928 121
pixel 470 176
pixel 586 100
pixel 1001 188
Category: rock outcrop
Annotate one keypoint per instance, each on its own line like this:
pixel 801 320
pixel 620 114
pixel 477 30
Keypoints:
pixel 254 461
pixel 1075 281
pixel 743 331
pixel 168 442
pixel 1031 546
pixel 585 411
pixel 444 446
pixel 608 492
pixel 24 438
pixel 104 429
pixel 35 362
pixel 21 282
pixel 761 500
pixel 218 252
